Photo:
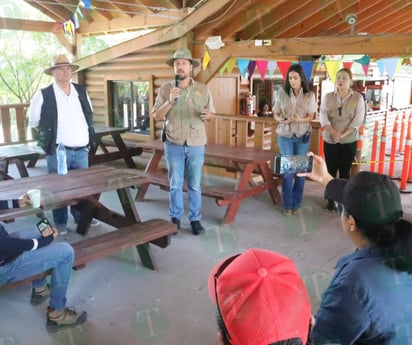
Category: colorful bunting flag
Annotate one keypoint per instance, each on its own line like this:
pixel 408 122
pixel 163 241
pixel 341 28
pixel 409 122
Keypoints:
pixel 388 64
pixel 251 67
pixel 262 66
pixel 206 60
pixel 242 64
pixel 272 65
pixel 73 22
pixel 347 64
pixel 332 66
pixel 307 68
pixel 231 64
pixel 364 61
pixel 283 67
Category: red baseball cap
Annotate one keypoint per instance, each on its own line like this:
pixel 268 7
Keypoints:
pixel 261 298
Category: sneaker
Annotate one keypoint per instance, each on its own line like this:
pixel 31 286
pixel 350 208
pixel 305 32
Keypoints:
pixel 176 222
pixel 286 212
pixel 197 228
pixel 295 210
pixel 61 228
pixel 41 295
pixel 59 319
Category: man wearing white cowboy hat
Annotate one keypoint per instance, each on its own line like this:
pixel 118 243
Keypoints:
pixel 62 113
pixel 184 105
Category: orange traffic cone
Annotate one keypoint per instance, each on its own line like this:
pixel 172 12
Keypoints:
pixel 382 149
pixel 405 166
pixel 393 149
pixel 374 146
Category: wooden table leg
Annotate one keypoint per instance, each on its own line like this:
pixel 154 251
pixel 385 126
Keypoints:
pixel 268 178
pixel 151 166
pixel 122 148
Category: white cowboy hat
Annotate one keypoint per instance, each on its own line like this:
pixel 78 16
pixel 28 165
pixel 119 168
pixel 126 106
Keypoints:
pixel 182 53
pixel 61 60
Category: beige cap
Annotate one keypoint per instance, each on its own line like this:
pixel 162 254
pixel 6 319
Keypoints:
pixel 61 60
pixel 182 53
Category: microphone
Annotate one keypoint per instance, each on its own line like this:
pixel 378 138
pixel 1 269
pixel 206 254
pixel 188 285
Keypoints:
pixel 176 84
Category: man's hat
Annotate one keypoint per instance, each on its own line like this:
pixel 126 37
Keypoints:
pixel 370 198
pixel 182 53
pixel 261 298
pixel 61 60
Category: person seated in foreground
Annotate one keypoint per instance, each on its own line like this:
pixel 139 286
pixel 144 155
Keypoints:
pixel 260 299
pixel 30 253
pixel 368 300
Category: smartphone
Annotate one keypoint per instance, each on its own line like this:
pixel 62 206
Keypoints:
pixel 43 225
pixel 293 164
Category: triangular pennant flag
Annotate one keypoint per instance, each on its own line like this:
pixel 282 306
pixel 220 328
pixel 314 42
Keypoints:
pixel 231 64
pixel 364 61
pixel 75 21
pixel 283 67
pixel 347 64
pixel 332 66
pixel 86 4
pixel 307 68
pixel 388 64
pixel 223 68
pixel 242 64
pixel 262 66
pixel 251 67
pixel 80 13
pixel 272 67
pixel 206 60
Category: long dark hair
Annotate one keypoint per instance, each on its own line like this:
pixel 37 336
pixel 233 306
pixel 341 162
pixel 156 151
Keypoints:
pixel 394 239
pixel 304 83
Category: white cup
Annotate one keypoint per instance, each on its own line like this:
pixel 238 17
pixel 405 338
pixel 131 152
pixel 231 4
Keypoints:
pixel 34 195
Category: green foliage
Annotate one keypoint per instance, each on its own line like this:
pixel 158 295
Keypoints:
pixel 22 62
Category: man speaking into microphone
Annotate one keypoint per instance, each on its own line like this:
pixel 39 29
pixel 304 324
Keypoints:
pixel 184 105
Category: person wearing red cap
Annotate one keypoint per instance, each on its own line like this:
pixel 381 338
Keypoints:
pixel 368 300
pixel 261 300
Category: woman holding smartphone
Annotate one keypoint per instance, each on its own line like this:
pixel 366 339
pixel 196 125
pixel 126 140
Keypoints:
pixel 294 109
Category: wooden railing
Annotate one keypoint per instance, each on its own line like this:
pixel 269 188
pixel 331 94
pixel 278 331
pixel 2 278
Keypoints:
pixel 14 128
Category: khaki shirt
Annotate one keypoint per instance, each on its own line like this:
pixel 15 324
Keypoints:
pixel 351 115
pixel 302 105
pixel 183 122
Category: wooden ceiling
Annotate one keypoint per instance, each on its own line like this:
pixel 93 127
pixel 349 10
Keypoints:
pixel 292 27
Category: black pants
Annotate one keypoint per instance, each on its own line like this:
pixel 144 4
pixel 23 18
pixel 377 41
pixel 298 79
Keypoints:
pixel 339 159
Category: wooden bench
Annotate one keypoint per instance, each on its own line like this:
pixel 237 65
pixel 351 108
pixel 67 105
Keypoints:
pixel 156 231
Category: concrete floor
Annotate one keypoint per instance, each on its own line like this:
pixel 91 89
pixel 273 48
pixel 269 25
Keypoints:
pixel 128 304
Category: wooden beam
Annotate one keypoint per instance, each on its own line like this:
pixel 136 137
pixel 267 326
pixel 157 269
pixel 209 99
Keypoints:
pixel 380 45
pixel 29 25
pixel 166 34
pixel 137 22
pixel 211 70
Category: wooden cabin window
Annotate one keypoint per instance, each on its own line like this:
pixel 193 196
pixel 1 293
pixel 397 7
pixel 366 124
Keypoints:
pixel 129 104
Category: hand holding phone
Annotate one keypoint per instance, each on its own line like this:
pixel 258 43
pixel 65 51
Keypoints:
pixel 44 225
pixel 293 164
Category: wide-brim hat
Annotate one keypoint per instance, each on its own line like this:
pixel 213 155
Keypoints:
pixel 261 298
pixel 182 53
pixel 61 60
pixel 369 197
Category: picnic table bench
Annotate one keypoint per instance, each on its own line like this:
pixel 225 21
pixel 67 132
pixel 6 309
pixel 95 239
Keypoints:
pixel 84 186
pixel 248 161
pixel 155 231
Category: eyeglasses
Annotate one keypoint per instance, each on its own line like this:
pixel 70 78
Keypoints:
pixel 218 273
pixel 340 111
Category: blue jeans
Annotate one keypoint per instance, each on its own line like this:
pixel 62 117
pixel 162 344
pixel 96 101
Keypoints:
pixel 292 186
pixel 184 162
pixel 75 160
pixel 56 256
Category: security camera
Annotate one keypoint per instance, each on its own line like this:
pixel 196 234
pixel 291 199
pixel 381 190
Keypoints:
pixel 351 18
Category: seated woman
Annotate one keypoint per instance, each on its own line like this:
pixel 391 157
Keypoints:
pixel 264 109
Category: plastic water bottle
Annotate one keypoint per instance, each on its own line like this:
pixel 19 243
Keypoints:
pixel 61 160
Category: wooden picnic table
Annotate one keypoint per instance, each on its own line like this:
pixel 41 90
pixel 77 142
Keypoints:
pixel 122 152
pixel 18 154
pixel 84 186
pixel 249 162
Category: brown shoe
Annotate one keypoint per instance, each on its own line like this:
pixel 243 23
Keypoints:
pixel 41 295
pixel 59 319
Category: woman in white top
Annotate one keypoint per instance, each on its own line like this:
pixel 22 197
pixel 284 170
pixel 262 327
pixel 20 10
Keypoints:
pixel 294 109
